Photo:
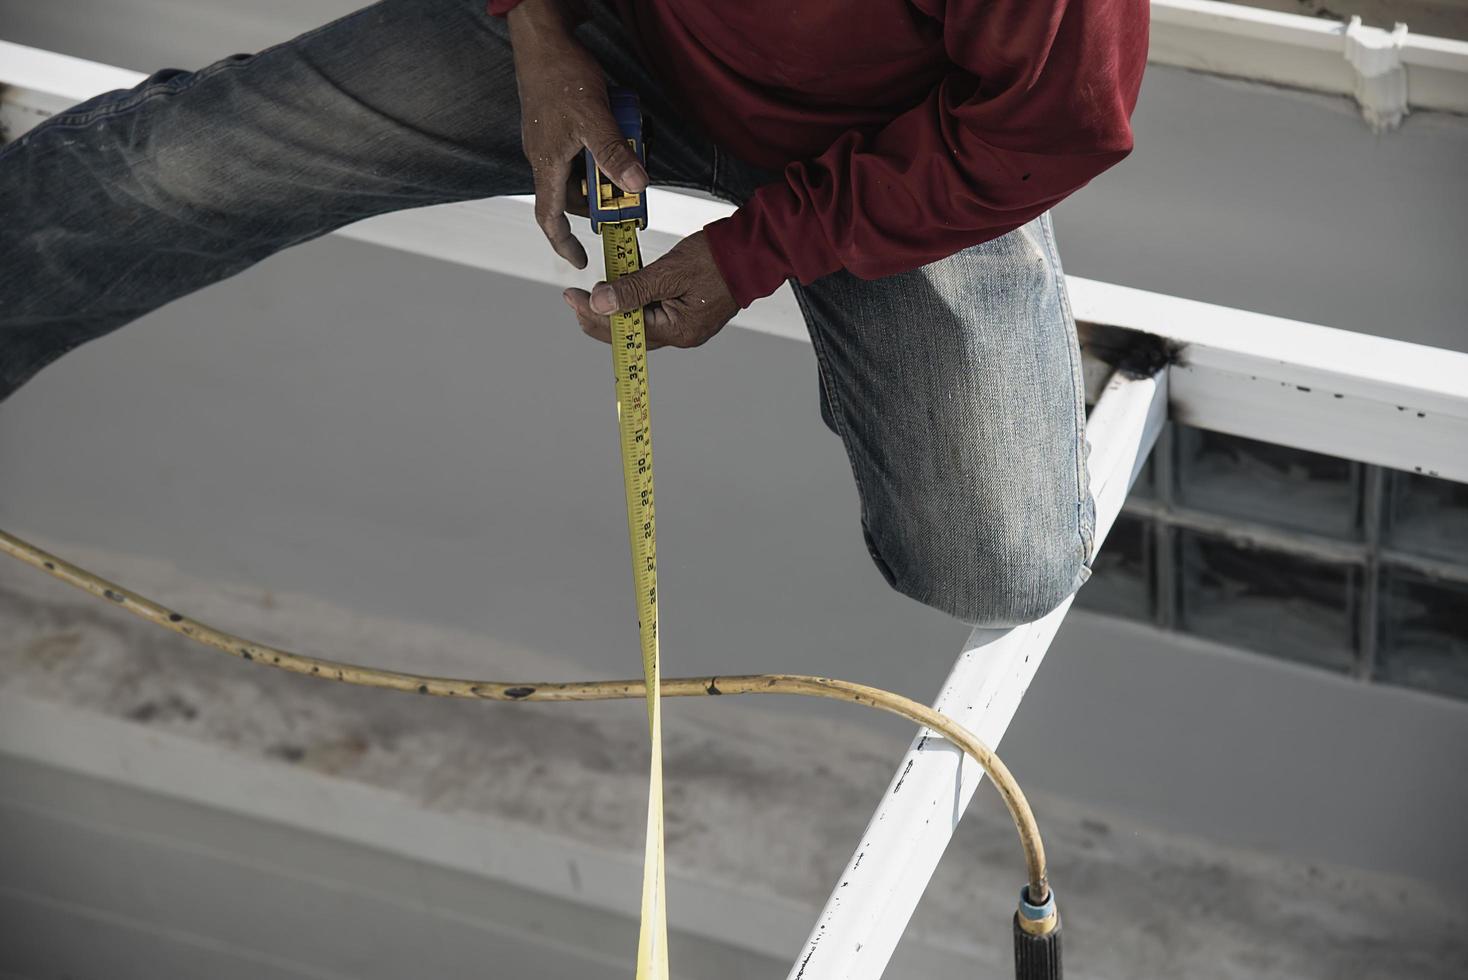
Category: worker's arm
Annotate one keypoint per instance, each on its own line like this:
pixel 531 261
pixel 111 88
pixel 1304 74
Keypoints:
pixel 563 109
pixel 1037 103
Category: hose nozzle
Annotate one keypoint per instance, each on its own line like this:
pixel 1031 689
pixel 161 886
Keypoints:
pixel 1036 938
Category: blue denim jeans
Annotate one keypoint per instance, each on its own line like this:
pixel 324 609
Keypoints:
pixel 956 387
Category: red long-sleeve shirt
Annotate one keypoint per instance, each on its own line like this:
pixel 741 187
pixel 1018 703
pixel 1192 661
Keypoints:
pixel 908 129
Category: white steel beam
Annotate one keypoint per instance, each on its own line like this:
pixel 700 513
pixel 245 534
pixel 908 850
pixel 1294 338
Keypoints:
pixel 1337 392
pixel 1297 384
pixel 876 894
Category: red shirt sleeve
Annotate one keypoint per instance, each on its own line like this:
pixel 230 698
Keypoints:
pixel 1038 103
pixel 499 8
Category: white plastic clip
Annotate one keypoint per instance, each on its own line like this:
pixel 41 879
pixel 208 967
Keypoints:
pixel 1381 78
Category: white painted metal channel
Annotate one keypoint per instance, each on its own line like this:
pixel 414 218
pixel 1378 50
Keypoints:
pixel 872 902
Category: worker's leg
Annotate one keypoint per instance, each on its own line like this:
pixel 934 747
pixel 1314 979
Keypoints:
pixel 957 391
pixel 134 198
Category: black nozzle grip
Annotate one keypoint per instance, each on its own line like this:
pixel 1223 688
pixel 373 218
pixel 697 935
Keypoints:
pixel 1036 957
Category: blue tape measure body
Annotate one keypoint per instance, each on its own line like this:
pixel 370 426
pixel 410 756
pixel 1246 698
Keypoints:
pixel 606 202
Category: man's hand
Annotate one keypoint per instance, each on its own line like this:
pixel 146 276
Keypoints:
pixel 563 108
pixel 683 295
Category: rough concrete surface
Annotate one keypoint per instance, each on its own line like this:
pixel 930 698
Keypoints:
pixel 760 802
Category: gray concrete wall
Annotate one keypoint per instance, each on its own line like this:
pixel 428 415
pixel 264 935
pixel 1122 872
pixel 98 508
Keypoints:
pixel 1283 203
pixel 436 444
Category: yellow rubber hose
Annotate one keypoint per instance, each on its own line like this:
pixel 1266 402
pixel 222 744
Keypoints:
pixel 676 687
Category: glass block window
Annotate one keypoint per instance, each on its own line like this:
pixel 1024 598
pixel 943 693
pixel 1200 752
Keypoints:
pixel 1424 633
pixel 1276 485
pixel 1427 517
pixel 1325 562
pixel 1268 600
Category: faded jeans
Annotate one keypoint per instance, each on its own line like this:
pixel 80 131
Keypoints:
pixel 956 388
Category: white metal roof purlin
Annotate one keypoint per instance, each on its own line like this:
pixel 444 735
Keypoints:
pixel 881 885
pixel 1337 392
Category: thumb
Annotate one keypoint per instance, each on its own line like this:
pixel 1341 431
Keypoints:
pixel 630 292
pixel 609 148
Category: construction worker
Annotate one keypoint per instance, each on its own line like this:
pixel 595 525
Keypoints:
pixel 895 159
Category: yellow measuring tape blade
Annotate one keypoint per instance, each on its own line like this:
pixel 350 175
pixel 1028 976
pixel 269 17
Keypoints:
pixel 634 420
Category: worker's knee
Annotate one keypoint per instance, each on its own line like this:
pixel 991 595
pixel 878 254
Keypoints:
pixel 986 575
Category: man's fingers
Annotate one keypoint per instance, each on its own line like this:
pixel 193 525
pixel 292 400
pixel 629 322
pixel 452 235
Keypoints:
pixel 656 320
pixel 682 295
pixel 628 293
pixel 610 150
pixel 550 214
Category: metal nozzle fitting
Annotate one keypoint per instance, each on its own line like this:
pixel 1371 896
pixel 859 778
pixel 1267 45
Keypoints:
pixel 1037 939
pixel 1037 920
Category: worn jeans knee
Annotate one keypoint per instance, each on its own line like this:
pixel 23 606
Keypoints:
pixel 957 391
pixel 989 572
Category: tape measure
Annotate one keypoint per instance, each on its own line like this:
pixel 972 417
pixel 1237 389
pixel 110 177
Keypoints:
pixel 617 215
